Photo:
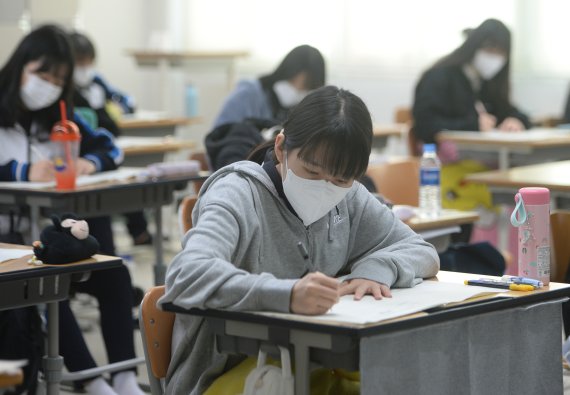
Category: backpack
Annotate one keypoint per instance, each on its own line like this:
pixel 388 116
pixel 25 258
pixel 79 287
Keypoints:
pixel 479 258
pixel 22 337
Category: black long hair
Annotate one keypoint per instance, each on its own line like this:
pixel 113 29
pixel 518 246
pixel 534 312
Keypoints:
pixel 492 33
pixel 83 47
pixel 332 128
pixel 302 58
pixel 50 44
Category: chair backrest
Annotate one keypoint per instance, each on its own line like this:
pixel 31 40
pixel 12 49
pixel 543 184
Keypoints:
pixel 397 180
pixel 403 115
pixel 201 157
pixel 156 331
pixel 560 242
pixel 185 213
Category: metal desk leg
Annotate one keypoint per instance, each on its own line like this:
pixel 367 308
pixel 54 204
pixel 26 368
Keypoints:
pixel 159 267
pixel 303 341
pixel 504 159
pixel 53 362
pixel 35 222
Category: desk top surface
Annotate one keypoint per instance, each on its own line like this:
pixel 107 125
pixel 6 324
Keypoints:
pixel 553 175
pixel 152 145
pixel 478 305
pixel 21 269
pixel 386 130
pixel 534 138
pixel 131 183
pixel 446 218
pixel 149 54
pixel 155 122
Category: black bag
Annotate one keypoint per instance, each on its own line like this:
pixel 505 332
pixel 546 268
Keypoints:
pixel 12 237
pixel 22 337
pixel 478 258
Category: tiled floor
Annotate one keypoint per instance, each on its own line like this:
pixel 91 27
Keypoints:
pixel 141 271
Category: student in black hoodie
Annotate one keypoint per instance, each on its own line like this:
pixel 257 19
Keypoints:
pixel 469 88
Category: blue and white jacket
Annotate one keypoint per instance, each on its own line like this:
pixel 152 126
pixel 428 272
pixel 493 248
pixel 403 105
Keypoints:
pixel 17 154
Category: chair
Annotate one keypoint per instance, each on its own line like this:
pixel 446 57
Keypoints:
pixel 185 213
pixel 156 331
pixel 560 242
pixel 201 157
pixel 404 115
pixel 398 181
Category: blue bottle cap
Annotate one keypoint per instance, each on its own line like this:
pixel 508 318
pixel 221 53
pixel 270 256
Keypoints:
pixel 429 148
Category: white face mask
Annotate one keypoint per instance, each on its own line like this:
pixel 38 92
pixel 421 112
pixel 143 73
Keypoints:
pixel 37 93
pixel 488 64
pixel 83 76
pixel 311 199
pixel 287 94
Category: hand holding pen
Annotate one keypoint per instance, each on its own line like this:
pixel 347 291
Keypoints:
pixel 486 121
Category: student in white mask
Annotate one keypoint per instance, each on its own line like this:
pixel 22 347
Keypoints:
pixel 32 81
pixel 273 233
pixel 469 88
pixel 271 96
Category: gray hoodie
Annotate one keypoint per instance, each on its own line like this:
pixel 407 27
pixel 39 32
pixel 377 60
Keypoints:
pixel 242 254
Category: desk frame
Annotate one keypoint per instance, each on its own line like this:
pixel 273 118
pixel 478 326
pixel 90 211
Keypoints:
pixel 104 199
pixel 336 344
pixel 48 284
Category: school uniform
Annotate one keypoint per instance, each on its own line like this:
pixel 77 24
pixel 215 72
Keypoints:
pixel 445 99
pixel 111 287
pixel 250 100
pixel 242 254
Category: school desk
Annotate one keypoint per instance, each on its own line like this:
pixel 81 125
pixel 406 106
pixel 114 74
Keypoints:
pixel 23 284
pixel 489 345
pixel 105 198
pixel 382 133
pixel 504 184
pixel 528 147
pixel 143 151
pixel 195 61
pixel 153 124
pixel 438 230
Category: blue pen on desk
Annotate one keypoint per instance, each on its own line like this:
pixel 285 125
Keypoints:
pixel 522 280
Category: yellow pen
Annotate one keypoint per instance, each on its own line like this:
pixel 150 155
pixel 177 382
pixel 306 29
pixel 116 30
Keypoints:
pixel 500 284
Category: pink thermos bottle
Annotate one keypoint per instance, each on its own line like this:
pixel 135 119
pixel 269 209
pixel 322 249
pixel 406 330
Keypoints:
pixel 532 216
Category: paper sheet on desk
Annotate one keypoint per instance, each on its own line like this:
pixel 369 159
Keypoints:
pixel 115 175
pixel 530 135
pixel 404 301
pixel 12 366
pixel 7 254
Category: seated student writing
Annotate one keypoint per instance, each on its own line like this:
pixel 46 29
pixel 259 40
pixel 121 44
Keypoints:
pixel 242 252
pixel 469 88
pixel 33 80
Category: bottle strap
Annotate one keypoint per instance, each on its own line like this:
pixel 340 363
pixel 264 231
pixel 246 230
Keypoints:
pixel 520 210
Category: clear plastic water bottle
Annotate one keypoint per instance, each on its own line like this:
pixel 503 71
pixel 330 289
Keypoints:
pixel 430 189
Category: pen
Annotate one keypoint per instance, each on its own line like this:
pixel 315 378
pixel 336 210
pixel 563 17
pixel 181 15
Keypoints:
pixel 480 107
pixel 500 284
pixel 38 153
pixel 303 250
pixel 522 280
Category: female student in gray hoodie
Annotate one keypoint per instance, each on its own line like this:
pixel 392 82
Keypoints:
pixel 242 252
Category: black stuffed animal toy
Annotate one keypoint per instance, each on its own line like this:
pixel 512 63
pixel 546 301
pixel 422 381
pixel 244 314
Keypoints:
pixel 67 240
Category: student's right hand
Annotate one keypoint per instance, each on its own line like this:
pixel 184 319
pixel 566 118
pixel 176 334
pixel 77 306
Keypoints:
pixel 487 122
pixel 314 294
pixel 42 171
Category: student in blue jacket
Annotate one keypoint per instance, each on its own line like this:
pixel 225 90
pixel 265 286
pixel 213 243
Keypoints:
pixel 271 96
pixel 36 76
pixel 274 233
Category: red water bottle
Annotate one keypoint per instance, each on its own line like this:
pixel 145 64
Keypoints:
pixel 66 138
